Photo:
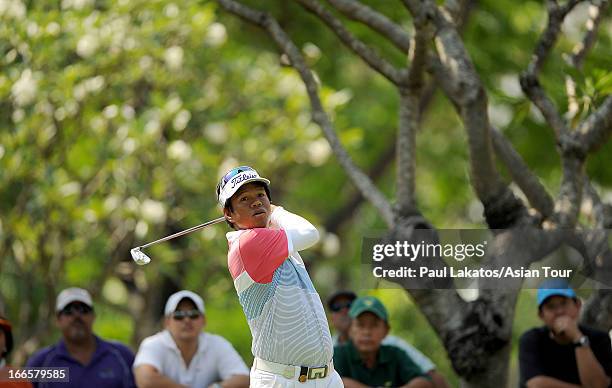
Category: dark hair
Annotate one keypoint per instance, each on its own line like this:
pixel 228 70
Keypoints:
pixel 228 202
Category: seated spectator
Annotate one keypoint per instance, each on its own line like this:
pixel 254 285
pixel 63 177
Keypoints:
pixel 184 356
pixel 6 345
pixel 91 361
pixel 563 353
pixel 364 362
pixel 339 304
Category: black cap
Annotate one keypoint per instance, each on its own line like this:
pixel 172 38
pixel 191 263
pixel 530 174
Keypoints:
pixel 345 293
pixel 5 326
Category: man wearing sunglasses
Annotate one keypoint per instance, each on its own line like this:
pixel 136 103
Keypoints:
pixel 184 356
pixel 291 340
pixel 339 304
pixel 91 361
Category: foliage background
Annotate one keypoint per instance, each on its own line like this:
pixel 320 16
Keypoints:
pixel 117 117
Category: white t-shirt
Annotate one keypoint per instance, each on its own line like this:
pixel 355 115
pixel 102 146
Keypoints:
pixel 215 360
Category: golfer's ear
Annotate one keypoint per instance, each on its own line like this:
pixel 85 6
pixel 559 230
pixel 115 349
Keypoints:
pixel 227 214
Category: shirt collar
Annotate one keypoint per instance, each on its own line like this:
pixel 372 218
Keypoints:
pixel 101 348
pixel 168 341
pixel 233 235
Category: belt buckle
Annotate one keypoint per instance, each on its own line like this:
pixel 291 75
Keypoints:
pixel 317 373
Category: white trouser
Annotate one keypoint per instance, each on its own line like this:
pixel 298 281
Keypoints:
pixel 263 379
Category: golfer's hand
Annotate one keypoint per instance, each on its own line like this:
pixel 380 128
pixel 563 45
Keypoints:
pixel 566 327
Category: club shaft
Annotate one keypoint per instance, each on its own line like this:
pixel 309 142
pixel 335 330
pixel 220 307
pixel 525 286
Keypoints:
pixel 186 231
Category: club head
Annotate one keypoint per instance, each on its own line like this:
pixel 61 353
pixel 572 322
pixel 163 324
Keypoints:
pixel 139 257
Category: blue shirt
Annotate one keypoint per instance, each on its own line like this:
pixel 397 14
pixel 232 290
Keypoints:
pixel 110 366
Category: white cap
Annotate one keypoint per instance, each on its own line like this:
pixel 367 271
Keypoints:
pixel 70 295
pixel 176 298
pixel 229 185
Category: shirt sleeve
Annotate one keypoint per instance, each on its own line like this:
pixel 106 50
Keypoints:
pixel 262 251
pixel 300 233
pixel 602 349
pixel 408 369
pixel 413 353
pixel 149 353
pixel 229 362
pixel 530 364
pixel 128 357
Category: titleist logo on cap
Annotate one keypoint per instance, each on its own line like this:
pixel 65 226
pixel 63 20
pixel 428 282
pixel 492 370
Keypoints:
pixel 241 178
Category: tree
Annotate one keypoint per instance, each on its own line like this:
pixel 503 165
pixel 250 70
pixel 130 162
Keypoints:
pixel 476 334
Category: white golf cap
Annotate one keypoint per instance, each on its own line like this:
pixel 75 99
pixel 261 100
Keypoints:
pixel 234 179
pixel 73 294
pixel 176 298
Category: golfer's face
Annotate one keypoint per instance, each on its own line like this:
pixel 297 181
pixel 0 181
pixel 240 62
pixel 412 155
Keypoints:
pixel 187 324
pixel 251 207
pixel 367 332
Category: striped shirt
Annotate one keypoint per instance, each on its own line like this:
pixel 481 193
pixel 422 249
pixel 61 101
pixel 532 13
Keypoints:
pixel 284 311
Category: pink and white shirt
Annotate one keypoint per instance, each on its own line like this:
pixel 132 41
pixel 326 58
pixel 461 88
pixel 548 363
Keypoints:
pixel 282 307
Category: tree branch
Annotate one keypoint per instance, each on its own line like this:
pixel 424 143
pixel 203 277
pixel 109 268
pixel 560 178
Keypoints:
pixel 406 152
pixel 529 78
pixel 457 76
pixel 409 120
pixel 581 49
pixel 529 183
pixel 594 131
pixel 336 219
pixel 600 213
pixel 361 180
pixel 568 202
pixel 362 13
pixel 368 55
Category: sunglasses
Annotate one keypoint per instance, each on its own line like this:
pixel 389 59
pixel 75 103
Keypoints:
pixel 191 314
pixel 335 307
pixel 72 309
pixel 231 173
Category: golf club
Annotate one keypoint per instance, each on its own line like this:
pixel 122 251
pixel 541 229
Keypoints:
pixel 141 258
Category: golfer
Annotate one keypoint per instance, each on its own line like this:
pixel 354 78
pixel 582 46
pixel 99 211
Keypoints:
pixel 291 338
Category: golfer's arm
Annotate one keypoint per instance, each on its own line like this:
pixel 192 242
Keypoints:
pixel 548 382
pixel 591 372
pixel 236 381
pixel 148 376
pixel 301 232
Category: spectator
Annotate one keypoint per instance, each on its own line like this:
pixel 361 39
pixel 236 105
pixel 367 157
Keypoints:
pixel 184 356
pixel 91 361
pixel 339 304
pixel 6 345
pixel 364 362
pixel 563 353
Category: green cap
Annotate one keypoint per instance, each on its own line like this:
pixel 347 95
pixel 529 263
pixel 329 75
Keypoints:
pixel 368 304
